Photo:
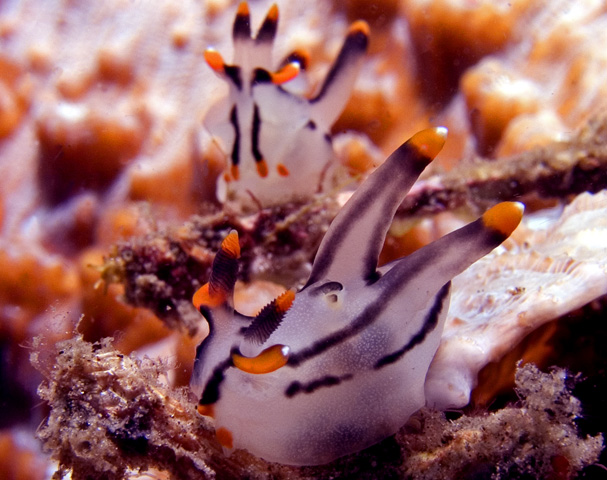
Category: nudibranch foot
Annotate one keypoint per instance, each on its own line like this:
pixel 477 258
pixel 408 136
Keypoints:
pixel 341 364
pixel 277 142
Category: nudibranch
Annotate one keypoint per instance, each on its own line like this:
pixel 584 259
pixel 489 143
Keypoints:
pixel 341 364
pixel 277 142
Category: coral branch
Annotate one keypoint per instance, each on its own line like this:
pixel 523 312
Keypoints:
pixel 550 172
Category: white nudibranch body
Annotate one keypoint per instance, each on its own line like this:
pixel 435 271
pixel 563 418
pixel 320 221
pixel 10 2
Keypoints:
pixel 277 143
pixel 341 364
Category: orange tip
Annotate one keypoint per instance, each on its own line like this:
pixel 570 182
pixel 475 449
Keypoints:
pixel 262 168
pixel 235 172
pixel 206 410
pixel 231 245
pixel 429 142
pixel 214 60
pixel 269 360
pixel 302 57
pixel 273 13
pixel 243 9
pixel 282 170
pixel 286 73
pixel 504 217
pixel 360 26
pixel 224 437
pixel 205 297
pixel 284 301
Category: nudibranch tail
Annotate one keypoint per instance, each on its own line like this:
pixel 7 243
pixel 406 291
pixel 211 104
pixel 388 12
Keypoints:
pixel 351 246
pixel 220 287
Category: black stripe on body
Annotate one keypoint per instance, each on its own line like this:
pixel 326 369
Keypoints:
pixel 369 315
pixel 354 45
pixel 201 349
pixel 255 131
pixel 450 253
pixel 211 394
pixel 429 325
pixel 327 381
pixel 412 164
pixel 236 146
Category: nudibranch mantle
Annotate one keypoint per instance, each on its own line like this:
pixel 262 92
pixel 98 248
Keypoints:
pixel 277 142
pixel 341 364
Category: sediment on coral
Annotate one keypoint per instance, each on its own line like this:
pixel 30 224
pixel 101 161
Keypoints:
pixel 113 416
pixel 161 271
pixel 548 173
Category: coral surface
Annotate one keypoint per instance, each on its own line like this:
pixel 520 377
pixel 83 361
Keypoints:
pixel 113 415
pixel 104 160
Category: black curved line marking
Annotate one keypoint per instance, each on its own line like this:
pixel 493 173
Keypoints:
pixel 255 131
pixel 211 393
pixel 296 387
pixel 371 255
pixel 201 349
pixel 369 315
pixel 354 45
pixel 429 325
pixel 236 146
pixel 384 177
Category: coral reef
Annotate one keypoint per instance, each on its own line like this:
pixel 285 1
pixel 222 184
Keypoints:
pixel 104 158
pixel 114 415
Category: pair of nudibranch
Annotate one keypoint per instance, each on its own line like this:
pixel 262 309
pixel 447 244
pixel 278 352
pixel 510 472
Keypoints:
pixel 341 364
